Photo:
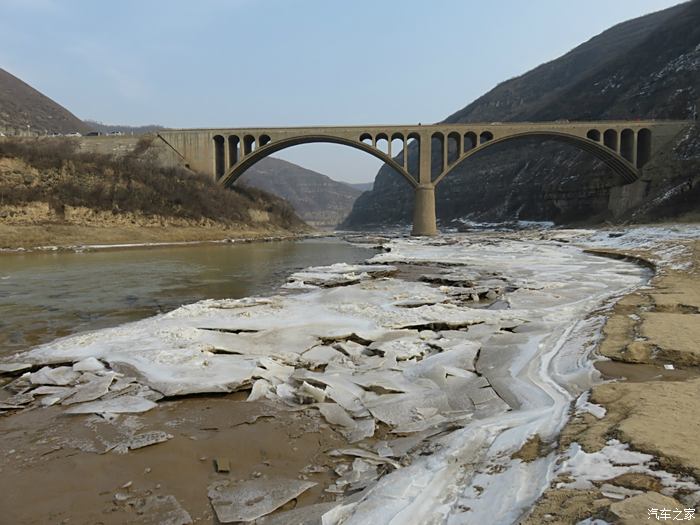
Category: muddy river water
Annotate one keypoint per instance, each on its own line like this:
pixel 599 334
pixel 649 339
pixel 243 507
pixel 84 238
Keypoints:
pixel 45 295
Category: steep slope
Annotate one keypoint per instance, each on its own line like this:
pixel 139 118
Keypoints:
pixel 52 192
pixel 23 109
pixel 648 67
pixel 318 199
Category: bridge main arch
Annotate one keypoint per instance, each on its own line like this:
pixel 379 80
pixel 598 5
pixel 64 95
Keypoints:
pixel 609 157
pixel 234 173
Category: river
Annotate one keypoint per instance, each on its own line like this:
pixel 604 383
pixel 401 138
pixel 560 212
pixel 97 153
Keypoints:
pixel 436 364
pixel 46 295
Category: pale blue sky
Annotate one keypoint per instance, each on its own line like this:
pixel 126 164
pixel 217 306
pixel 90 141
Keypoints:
pixel 219 63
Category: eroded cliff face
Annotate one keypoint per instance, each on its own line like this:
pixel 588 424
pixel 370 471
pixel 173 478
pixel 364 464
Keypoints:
pixel 644 68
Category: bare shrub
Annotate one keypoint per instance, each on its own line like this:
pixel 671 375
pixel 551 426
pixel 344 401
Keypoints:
pixel 130 183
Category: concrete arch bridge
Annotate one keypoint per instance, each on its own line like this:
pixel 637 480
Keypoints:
pixel 224 154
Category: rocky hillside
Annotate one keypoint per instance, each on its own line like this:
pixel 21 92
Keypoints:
pixel 24 110
pixel 75 186
pixel 648 67
pixel 318 199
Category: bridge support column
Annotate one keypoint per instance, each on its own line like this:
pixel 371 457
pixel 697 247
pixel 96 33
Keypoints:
pixel 424 222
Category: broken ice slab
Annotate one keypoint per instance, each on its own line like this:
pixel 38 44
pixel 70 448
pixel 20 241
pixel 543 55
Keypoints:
pixel 341 390
pixel 61 376
pixel 336 415
pixel 309 515
pixel 91 390
pixel 361 474
pixel 159 510
pixel 310 393
pixel 89 364
pixel 402 348
pixel 387 380
pixel 260 389
pixel 148 438
pixel 14 368
pixel 456 278
pixel 404 409
pixel 320 355
pixel 22 398
pixel 118 405
pixel 341 274
pixel 258 342
pixel 363 428
pixel 365 454
pixel 251 499
pixel 10 406
pixel 52 395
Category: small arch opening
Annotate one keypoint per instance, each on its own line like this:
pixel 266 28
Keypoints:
pixel 469 141
pixel 593 134
pixel 263 140
pixel 219 156
pixel 610 139
pixel 454 147
pixel 233 149
pixel 396 146
pixel 627 144
pixel 485 137
pixel 437 150
pixel 366 138
pixel 413 148
pixel 248 144
pixel 643 147
pixel 382 143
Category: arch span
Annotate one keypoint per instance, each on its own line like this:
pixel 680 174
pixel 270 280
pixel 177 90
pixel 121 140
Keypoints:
pixel 619 165
pixel 233 174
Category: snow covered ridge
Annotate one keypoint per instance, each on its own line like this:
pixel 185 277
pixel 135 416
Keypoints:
pixel 459 365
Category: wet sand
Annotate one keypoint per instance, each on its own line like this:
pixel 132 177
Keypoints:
pixel 69 236
pixel 40 453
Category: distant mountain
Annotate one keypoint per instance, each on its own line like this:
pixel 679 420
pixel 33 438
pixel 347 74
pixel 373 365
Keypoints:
pixel 318 199
pixel 362 186
pixel 648 67
pixel 126 130
pixel 23 110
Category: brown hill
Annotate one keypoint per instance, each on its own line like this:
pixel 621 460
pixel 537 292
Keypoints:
pixel 23 110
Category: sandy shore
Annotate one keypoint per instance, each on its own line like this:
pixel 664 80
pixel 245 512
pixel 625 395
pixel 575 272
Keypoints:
pixel 652 407
pixel 69 236
pixel 59 236
pixel 36 226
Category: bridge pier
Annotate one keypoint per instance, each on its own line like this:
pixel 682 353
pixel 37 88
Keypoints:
pixel 424 222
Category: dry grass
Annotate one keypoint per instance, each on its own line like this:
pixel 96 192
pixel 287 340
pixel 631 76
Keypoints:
pixel 134 183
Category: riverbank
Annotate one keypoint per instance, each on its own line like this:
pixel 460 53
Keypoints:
pixel 651 345
pixel 53 195
pixel 36 226
pixel 59 237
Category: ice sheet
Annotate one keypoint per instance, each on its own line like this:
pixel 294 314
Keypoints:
pixel 252 499
pixel 461 385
